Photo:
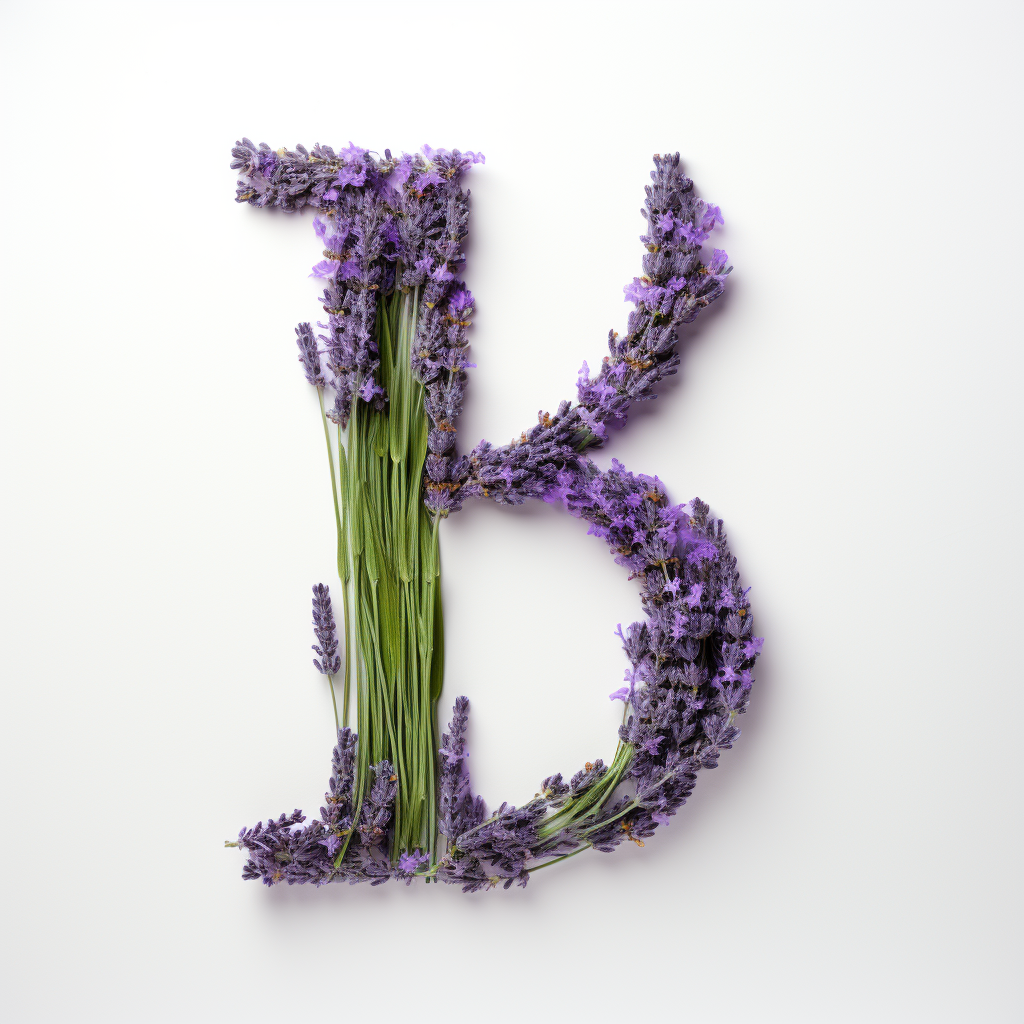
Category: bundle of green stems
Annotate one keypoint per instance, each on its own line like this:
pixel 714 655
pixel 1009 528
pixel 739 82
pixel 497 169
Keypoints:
pixel 390 572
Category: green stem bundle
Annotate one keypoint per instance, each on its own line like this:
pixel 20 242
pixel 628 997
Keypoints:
pixel 388 556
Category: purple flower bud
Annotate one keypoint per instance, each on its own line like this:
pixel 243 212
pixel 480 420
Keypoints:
pixel 326 633
pixel 309 356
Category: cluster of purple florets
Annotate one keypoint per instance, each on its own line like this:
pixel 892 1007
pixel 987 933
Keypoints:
pixel 399 223
pixel 326 632
pixel 692 660
pixel 679 280
pixel 285 850
pixel 690 677
pixel 385 224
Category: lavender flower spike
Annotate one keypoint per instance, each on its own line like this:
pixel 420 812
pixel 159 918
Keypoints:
pixel 678 282
pixel 309 356
pixel 326 633
pixel 459 809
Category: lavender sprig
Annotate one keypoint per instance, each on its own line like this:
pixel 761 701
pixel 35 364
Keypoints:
pixel 459 809
pixel 325 630
pixel 378 805
pixel 678 282
pixel 327 646
pixel 309 356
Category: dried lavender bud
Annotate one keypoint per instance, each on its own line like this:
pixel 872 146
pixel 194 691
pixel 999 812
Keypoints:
pixel 353 278
pixel 583 780
pixel 409 864
pixel 459 810
pixel 378 805
pixel 433 223
pixel 309 356
pixel 336 815
pixel 554 790
pixel 277 853
pixel 282 851
pixel 326 632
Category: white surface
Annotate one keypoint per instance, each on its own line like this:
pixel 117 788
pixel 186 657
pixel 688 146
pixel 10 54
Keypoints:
pixel 851 410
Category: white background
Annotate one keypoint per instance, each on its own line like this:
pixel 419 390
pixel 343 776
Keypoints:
pixel 851 409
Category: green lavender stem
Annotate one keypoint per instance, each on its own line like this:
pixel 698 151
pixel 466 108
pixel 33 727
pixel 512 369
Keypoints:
pixel 557 860
pixel 592 801
pixel 344 569
pixel 342 561
pixel 334 701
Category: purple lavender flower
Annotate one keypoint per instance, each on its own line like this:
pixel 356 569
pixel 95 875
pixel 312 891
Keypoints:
pixel 332 842
pixel 326 632
pixel 410 863
pixel 379 805
pixel 309 356
pixel 682 713
pixel 336 814
pixel 459 810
